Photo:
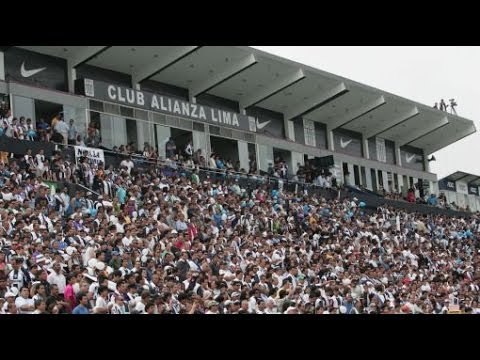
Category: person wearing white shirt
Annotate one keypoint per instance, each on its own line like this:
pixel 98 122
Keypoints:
pixel 24 304
pixel 127 163
pixel 56 277
pixel 62 128
pixel 101 304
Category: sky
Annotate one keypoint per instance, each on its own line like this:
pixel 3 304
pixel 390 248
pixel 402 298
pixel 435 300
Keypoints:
pixel 425 74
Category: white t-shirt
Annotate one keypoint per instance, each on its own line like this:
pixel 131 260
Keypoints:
pixel 20 301
pixel 140 307
pixel 100 303
pixel 128 164
pixel 59 280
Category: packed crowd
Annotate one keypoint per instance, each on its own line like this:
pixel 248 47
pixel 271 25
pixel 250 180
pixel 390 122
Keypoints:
pixel 163 241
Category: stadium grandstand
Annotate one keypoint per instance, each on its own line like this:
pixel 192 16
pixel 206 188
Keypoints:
pixel 224 180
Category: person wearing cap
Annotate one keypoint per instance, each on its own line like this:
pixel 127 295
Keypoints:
pixel 9 301
pixel 212 307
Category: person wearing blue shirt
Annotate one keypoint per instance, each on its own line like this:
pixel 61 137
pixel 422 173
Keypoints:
pixel 81 308
pixel 219 163
pixel 432 200
pixel 121 194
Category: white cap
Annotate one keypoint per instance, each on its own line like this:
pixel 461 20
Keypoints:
pixel 92 262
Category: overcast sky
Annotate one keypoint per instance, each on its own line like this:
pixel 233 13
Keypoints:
pixel 423 74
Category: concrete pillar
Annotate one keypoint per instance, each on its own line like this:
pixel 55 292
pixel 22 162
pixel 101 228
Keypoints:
pixel 2 66
pixel 23 106
pixel 385 181
pixel 426 163
pixel 289 129
pixel 163 134
pixel 243 154
pixel 417 192
pixel 71 77
pixel 265 156
pixel 199 141
pixel 368 175
pixel 351 175
pixel 297 158
pixel 400 183
pixel 330 142
pixel 366 152
pixel 398 155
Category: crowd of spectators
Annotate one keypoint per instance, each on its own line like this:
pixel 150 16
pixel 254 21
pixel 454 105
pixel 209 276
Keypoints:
pixel 161 241
pixel 158 239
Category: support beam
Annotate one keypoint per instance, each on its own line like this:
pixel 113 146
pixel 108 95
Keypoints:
pixel 366 151
pixel 357 113
pixel 71 77
pixel 392 123
pixel 272 89
pixel 85 54
pixel 216 79
pixel 2 66
pixel 316 102
pixel 427 131
pixel 439 144
pixel 154 67
pixel 398 155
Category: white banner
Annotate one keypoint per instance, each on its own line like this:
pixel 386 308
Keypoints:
pixel 381 152
pixel 93 155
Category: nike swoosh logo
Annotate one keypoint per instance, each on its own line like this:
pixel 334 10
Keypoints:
pixel 344 144
pixel 409 158
pixel 262 125
pixel 27 73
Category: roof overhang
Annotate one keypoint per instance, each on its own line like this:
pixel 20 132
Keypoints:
pixel 255 78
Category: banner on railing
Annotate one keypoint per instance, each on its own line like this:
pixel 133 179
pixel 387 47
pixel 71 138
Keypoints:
pixel 93 155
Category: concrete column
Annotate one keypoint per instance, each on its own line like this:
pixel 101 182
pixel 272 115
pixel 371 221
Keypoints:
pixel 119 129
pixel 289 130
pixel 265 156
pixel 243 154
pixel 163 134
pixel 398 155
pixel 417 192
pixel 296 159
pixel 2 66
pixel 330 142
pixel 351 176
pixel 199 141
pixel 385 181
pixel 400 183
pixel 368 175
pixel 366 152
pixel 23 106
pixel 71 77
pixel 426 163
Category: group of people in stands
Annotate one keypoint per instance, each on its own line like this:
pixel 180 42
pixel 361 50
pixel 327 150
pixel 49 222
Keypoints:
pixel 163 241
